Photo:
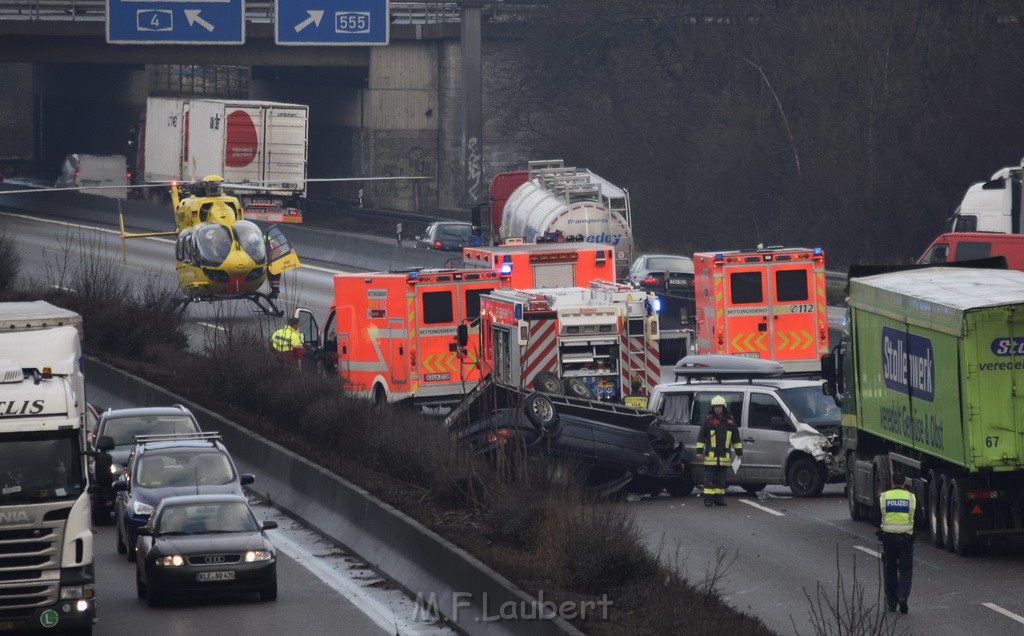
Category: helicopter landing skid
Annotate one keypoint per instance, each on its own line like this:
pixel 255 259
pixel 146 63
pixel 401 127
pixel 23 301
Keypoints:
pixel 258 298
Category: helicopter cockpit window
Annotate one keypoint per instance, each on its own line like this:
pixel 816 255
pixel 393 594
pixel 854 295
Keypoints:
pixel 250 237
pixel 214 242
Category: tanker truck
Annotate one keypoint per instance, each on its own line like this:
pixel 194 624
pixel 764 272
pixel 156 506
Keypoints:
pixel 552 202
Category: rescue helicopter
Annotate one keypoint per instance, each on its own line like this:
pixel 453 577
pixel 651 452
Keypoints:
pixel 219 255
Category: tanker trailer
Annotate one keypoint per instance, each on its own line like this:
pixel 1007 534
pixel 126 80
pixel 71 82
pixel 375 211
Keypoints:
pixel 559 203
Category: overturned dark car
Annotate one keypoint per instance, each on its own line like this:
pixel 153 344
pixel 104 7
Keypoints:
pixel 610 446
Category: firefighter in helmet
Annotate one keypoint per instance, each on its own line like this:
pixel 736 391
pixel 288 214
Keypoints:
pixel 718 437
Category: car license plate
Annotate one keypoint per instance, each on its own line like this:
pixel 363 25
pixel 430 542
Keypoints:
pixel 227 575
pixel 674 282
pixel 6 626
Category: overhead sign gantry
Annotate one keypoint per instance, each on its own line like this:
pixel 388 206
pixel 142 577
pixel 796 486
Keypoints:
pixel 175 22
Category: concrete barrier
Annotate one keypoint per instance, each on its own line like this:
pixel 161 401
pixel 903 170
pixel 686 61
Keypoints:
pixel 447 579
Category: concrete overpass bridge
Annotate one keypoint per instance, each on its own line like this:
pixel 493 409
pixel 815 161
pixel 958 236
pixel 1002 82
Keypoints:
pixel 374 110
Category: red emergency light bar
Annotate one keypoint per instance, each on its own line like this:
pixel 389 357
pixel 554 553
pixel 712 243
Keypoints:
pixel 555 257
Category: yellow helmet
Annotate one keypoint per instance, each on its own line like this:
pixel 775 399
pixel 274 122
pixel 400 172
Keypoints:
pixel 212 185
pixel 718 400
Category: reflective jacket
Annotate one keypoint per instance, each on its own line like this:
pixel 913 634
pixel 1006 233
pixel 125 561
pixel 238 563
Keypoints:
pixel 717 435
pixel 897 506
pixel 286 339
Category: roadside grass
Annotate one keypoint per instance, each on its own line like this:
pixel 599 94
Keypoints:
pixel 550 538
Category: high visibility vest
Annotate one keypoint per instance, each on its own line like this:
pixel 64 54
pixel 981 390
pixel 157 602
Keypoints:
pixel 285 339
pixel 719 435
pixel 897 506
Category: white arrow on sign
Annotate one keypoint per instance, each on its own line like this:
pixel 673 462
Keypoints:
pixel 314 18
pixel 192 15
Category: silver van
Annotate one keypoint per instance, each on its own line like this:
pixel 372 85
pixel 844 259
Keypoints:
pixel 83 171
pixel 790 429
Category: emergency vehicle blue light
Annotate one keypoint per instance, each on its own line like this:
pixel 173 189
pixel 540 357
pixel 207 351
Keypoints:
pixel 518 311
pixel 719 257
pixel 414 275
pixel 817 251
pixel 656 305
pixel 506 268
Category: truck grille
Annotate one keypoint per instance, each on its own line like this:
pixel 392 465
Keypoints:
pixel 30 560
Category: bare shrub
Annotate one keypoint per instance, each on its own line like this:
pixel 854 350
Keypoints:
pixel 10 261
pixel 848 610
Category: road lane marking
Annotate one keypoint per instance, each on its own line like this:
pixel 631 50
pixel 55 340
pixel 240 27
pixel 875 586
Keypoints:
pixel 868 550
pixel 754 504
pixel 1004 612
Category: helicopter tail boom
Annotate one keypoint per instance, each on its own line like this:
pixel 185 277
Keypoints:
pixel 128 235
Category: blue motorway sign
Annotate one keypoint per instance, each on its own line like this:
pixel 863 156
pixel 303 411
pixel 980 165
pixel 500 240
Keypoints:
pixel 175 22
pixel 332 22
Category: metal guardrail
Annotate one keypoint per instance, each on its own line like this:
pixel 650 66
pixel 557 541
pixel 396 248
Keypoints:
pixel 256 11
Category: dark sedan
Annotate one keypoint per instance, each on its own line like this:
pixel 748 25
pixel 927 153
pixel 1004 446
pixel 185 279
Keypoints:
pixel 162 468
pixel 609 445
pixel 205 544
pixel 448 236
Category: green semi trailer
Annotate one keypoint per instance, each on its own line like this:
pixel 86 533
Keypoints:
pixel 930 377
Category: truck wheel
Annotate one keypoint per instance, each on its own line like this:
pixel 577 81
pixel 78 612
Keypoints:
pixel 540 410
pixel 934 521
pixel 578 388
pixel 547 382
pixel 380 398
pixel 944 511
pixel 961 538
pixel 858 511
pixel 882 480
pixel 805 478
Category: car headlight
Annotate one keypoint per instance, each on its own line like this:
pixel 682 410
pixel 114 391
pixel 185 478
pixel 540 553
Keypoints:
pixel 170 561
pixel 116 468
pixel 72 592
pixel 258 555
pixel 140 508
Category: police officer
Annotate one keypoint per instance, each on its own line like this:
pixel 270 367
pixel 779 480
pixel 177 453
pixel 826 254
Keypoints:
pixel 898 507
pixel 718 435
pixel 287 341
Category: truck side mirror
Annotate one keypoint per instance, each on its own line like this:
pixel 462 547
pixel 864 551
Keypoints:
pixel 828 368
pixel 462 335
pixel 105 443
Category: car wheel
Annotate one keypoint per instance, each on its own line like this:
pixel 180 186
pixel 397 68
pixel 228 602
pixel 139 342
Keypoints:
pixel 120 544
pixel 140 587
pixel 805 478
pixel 934 520
pixel 578 388
pixel 681 486
pixel 753 489
pixel 153 598
pixel 547 382
pixel 130 549
pixel 269 593
pixel 540 410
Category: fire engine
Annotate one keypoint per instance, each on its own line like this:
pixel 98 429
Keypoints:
pixel 545 265
pixel 392 336
pixel 765 303
pixel 605 335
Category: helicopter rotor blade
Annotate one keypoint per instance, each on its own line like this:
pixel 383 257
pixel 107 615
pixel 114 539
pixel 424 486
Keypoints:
pixel 83 188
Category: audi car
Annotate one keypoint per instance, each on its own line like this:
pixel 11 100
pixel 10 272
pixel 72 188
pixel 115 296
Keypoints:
pixel 204 544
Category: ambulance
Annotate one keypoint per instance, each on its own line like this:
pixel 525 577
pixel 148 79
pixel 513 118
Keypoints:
pixel 392 336
pixel 544 265
pixel 765 303
pixel 604 335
